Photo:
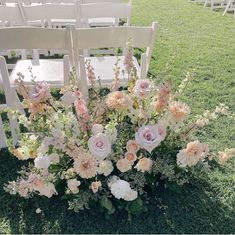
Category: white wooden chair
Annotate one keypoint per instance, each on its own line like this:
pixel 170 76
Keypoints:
pixel 216 4
pixel 3 140
pixel 54 72
pixel 116 37
pixel 10 16
pixel 229 7
pixel 103 14
pixel 51 15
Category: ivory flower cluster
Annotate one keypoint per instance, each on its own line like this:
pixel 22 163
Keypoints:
pixel 110 154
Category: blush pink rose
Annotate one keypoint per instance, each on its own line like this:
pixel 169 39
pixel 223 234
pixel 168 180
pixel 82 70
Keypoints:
pixel 143 88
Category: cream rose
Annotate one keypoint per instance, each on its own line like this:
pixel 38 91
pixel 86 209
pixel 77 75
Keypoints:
pixel 149 137
pixel 124 165
pixel 100 146
pixel 144 164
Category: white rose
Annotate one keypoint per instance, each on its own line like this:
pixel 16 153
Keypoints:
pixel 105 168
pixel 42 162
pixel 100 146
pixel 148 137
pixel 97 128
pixel 68 98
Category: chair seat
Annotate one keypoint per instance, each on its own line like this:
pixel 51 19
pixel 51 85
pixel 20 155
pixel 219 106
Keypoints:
pixel 49 70
pixel 99 22
pixel 103 68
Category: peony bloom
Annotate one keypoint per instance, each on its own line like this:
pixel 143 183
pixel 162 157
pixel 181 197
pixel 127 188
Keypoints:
pixel 149 137
pixel 95 186
pixel 42 162
pixel 144 164
pixel 124 165
pixel 47 190
pixel 178 112
pixel 143 88
pixel 105 167
pixel 131 157
pixel 121 189
pixel 132 146
pixel 73 185
pixel 118 100
pixel 68 98
pixel 40 93
pixel 85 165
pixel 97 128
pixel 190 156
pixel 100 146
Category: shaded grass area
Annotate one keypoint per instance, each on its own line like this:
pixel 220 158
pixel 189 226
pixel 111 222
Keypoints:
pixel 190 39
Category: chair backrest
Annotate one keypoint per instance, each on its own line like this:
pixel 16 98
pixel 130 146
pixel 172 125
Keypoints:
pixel 47 12
pixel 103 10
pixel 10 15
pixel 100 1
pixel 116 37
pixel 34 38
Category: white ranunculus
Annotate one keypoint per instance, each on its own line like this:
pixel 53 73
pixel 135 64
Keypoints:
pixel 121 189
pixel 42 162
pixel 48 190
pixel 148 137
pixel 97 128
pixel 100 146
pixel 68 98
pixel 73 185
pixel 105 168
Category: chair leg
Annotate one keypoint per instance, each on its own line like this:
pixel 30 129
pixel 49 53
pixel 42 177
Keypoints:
pixel 3 142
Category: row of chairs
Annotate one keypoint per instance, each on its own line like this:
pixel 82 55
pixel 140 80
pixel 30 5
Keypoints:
pixel 227 5
pixel 75 41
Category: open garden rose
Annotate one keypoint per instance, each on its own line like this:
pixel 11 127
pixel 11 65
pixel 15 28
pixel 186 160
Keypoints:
pixel 100 146
pixel 149 137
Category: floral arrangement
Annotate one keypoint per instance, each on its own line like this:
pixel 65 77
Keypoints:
pixel 112 149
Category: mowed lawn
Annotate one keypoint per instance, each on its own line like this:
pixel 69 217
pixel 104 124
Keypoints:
pixel 190 39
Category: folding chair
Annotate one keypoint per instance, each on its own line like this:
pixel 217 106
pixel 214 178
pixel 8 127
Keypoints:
pixel 103 14
pixel 54 72
pixel 116 37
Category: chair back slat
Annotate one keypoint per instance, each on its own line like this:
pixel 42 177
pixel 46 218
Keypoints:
pixel 33 38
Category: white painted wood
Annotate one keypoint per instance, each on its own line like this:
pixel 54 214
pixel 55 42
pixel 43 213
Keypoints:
pixel 10 99
pixel 103 14
pixel 230 7
pixel 3 140
pixel 103 67
pixel 114 37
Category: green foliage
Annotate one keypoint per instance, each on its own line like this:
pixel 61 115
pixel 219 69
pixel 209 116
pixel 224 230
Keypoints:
pixel 190 38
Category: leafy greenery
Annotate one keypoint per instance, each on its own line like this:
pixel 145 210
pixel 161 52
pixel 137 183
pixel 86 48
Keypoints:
pixel 190 39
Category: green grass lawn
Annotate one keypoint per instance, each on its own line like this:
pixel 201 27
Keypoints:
pixel 190 39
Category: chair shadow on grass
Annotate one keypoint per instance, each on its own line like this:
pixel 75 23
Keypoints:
pixel 189 210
